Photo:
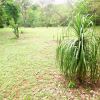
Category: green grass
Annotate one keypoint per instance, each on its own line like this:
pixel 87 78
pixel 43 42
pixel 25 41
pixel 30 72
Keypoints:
pixel 22 59
pixel 27 65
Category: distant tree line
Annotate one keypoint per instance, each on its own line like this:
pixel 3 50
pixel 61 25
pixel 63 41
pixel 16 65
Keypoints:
pixel 23 13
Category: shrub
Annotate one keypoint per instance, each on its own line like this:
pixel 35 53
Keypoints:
pixel 77 57
pixel 13 13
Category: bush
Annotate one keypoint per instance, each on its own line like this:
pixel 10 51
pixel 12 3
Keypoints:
pixel 77 57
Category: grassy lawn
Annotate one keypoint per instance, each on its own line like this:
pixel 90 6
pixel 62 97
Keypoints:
pixel 28 70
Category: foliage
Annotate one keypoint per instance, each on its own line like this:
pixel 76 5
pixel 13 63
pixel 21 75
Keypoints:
pixel 13 13
pixel 1 17
pixel 77 58
pixel 51 15
pixel 89 7
pixel 9 14
pixel 24 6
pixel 71 84
pixel 2 14
pixel 46 14
pixel 95 6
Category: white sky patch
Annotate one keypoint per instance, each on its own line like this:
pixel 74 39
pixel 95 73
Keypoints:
pixel 46 2
pixel 60 1
pixel 53 1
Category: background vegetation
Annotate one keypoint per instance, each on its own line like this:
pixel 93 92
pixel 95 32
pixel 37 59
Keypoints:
pixel 42 14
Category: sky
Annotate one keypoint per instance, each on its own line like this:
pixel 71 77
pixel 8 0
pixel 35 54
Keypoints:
pixel 60 1
pixel 46 2
pixel 53 1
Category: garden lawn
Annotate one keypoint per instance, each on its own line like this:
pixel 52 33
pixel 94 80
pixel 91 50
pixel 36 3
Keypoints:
pixel 28 69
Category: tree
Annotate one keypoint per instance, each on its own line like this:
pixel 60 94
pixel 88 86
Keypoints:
pixel 90 7
pixel 1 17
pixel 13 13
pixel 1 14
pixel 95 7
pixel 24 6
